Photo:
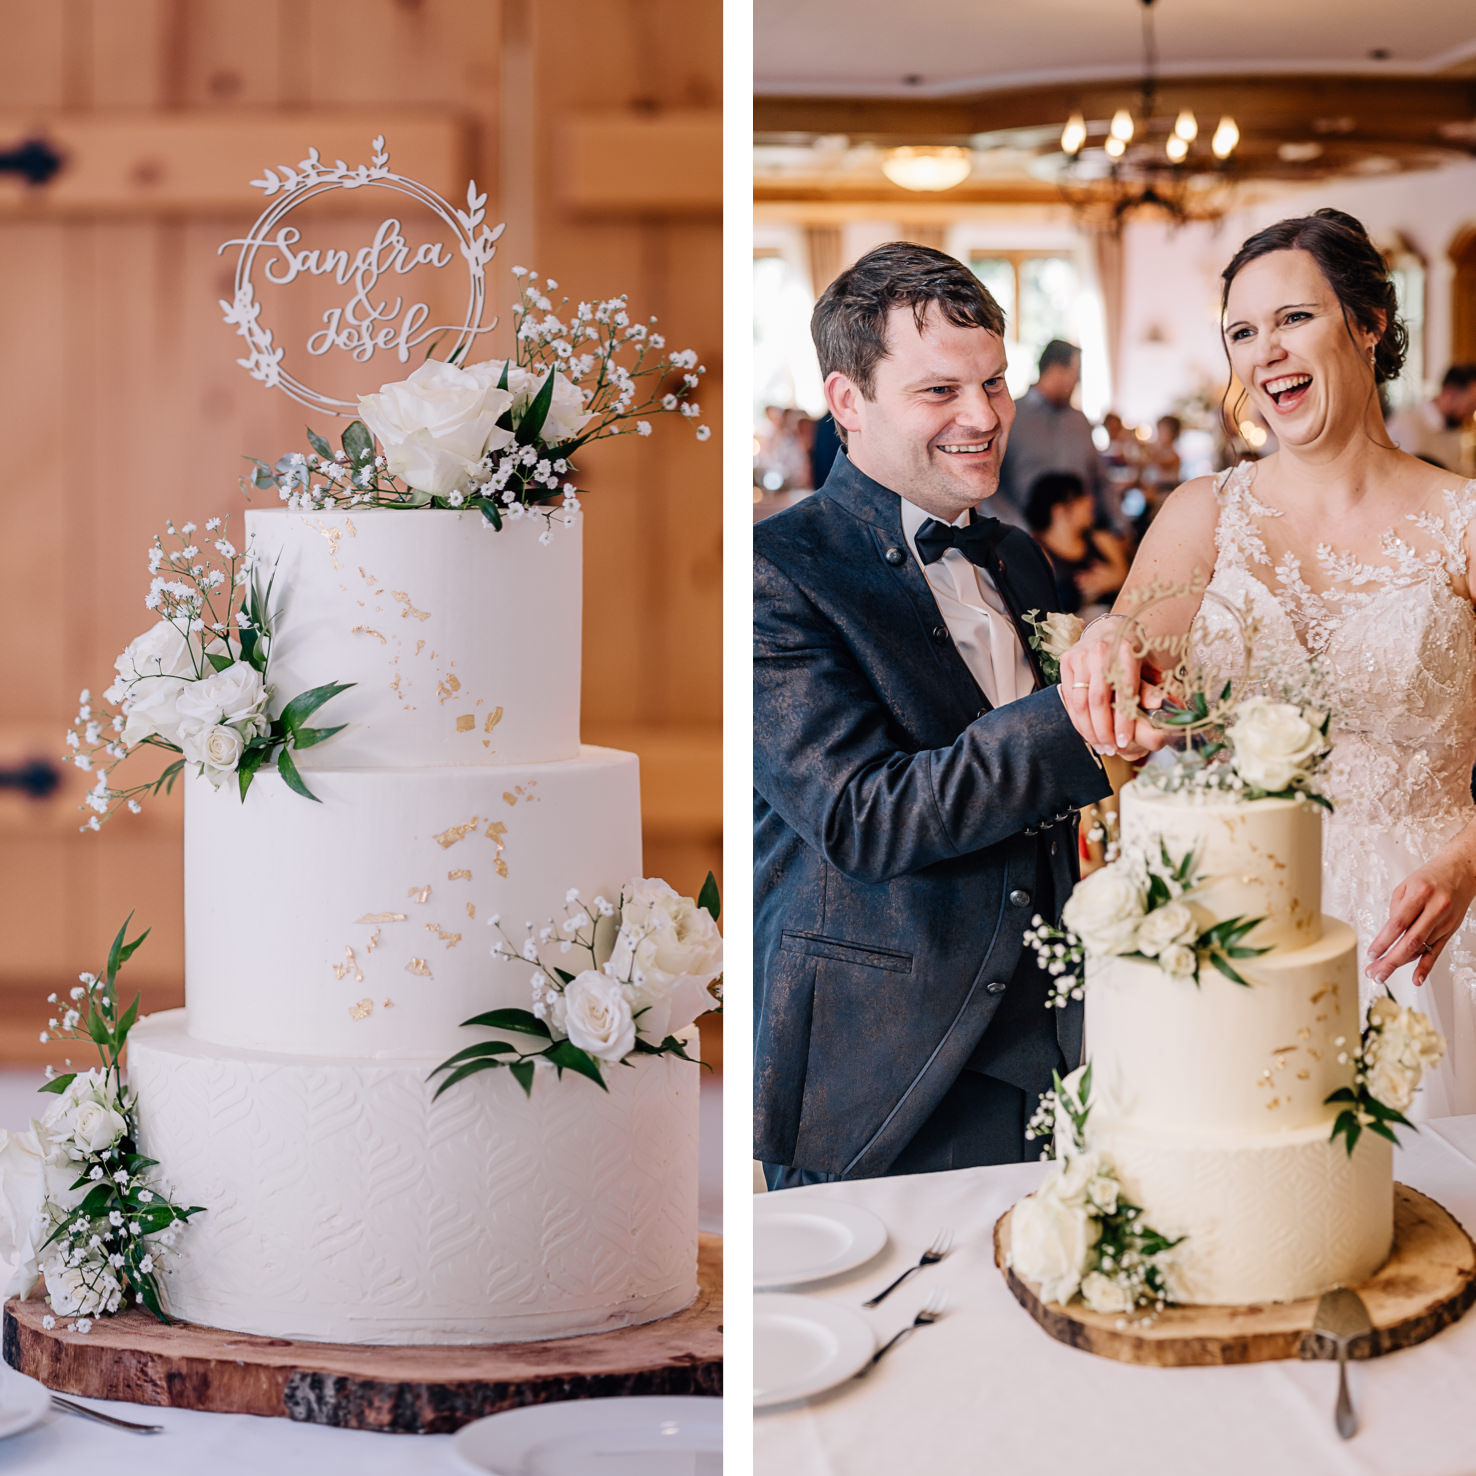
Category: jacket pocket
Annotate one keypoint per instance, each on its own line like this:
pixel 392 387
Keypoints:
pixel 864 955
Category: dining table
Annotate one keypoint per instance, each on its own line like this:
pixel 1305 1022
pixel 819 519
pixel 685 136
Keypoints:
pixel 983 1389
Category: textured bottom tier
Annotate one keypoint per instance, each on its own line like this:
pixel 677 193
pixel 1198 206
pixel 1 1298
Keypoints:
pixel 343 1205
pixel 1265 1220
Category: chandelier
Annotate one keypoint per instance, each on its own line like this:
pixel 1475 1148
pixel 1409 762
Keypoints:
pixel 1145 161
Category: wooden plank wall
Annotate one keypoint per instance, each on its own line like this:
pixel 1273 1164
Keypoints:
pixel 592 123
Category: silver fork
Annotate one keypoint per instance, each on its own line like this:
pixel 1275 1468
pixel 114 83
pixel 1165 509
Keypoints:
pixel 942 1244
pixel 106 1419
pixel 930 1313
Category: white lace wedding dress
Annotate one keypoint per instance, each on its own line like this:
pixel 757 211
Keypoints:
pixel 1394 646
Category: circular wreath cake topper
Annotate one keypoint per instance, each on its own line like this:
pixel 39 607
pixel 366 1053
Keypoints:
pixel 360 326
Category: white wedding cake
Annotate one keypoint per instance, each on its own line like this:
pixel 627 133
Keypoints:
pixel 333 950
pixel 1208 1096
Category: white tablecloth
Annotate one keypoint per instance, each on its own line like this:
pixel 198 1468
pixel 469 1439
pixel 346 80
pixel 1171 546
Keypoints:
pixel 984 1390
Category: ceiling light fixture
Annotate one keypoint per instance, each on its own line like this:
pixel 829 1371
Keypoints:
pixel 930 169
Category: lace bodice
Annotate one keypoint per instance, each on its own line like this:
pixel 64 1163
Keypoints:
pixel 1391 643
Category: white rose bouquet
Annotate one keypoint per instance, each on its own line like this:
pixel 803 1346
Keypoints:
pixel 1276 746
pixel 500 437
pixel 1399 1045
pixel 1077 1232
pixel 195 683
pixel 78 1203
pixel 655 961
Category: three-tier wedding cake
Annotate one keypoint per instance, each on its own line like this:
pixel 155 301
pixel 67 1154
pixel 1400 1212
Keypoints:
pixel 334 948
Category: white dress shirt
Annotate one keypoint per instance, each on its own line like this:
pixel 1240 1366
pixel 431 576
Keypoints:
pixel 975 614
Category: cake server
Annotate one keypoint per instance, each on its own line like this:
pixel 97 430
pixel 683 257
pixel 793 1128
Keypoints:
pixel 1341 1317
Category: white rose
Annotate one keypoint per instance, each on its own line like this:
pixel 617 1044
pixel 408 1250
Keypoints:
pixel 1050 1242
pixel 1073 1175
pixel 235 695
pixel 1179 961
pixel 598 1016
pixel 216 748
pixel 1273 743
pixel 1103 1294
pixel 87 1117
pixel 1164 926
pixel 566 413
pixel 22 1194
pixel 1403 1047
pixel 159 651
pixel 670 950
pixel 151 707
pixel 1105 909
pixel 1392 1083
pixel 1101 1192
pixel 1059 632
pixel 81 1291
pixel 437 425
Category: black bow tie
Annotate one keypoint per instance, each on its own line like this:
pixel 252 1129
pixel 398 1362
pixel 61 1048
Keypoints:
pixel 976 540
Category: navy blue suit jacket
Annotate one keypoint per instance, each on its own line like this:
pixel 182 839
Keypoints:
pixel 898 821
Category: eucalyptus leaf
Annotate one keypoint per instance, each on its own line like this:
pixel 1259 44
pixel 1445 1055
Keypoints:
pixel 1224 965
pixel 319 444
pixel 477 1052
pixel 311 737
pixel 305 704
pixel 568 1057
pixel 288 770
pixel 511 1019
pixel 251 761
pixel 167 778
pixel 358 442
pixel 708 899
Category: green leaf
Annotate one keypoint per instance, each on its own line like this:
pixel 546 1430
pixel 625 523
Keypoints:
pixel 59 1083
pixel 476 1053
pixel 1224 966
pixel 502 378
pixel 311 737
pixel 251 761
pixel 523 1074
pixel 305 704
pixel 250 647
pixel 568 1057
pixel 531 424
pixel 564 976
pixel 288 770
pixel 523 1020
pixel 121 952
pixel 492 514
pixel 319 444
pixel 167 778
pixel 671 1046
pixel 358 442
pixel 219 660
pixel 462 1072
pixel 1343 1094
pixel 126 1023
pixel 97 1028
pixel 1383 1130
pixel 144 1286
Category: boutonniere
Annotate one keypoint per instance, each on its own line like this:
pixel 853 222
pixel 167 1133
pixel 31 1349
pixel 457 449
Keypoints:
pixel 1051 636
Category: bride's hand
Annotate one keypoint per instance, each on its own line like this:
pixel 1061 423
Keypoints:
pixel 1092 671
pixel 1427 907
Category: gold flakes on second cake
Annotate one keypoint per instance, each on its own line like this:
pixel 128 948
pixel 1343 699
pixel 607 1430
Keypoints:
pixel 361 1010
pixel 449 939
pixel 448 688
pixel 402 597
pixel 389 1004
pixel 448 838
pixel 348 966
pixel 462 875
pixel 373 941
pixel 369 630
pixel 383 917
pixel 466 722
pixel 471 910
pixel 420 894
pixel 496 831
pixel 419 968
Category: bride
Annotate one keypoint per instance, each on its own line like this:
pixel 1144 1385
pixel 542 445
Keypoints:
pixel 1355 559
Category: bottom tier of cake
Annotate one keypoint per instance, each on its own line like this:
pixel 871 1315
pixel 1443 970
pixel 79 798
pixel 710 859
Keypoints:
pixel 1267 1219
pixel 342 1204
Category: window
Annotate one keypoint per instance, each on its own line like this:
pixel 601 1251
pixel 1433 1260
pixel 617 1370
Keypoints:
pixel 1038 292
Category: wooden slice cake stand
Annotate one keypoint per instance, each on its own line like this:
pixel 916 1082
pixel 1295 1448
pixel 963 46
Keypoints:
pixel 1426 1284
pixel 421 1390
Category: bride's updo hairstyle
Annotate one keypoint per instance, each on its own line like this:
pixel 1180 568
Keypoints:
pixel 1355 270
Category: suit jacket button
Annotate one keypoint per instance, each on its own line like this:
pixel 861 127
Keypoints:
pixel 939 633
pixel 1031 830
pixel 1020 898
pixel 1053 848
pixel 894 556
pixel 995 986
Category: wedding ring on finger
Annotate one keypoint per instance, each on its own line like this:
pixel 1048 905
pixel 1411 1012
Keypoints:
pixel 1075 686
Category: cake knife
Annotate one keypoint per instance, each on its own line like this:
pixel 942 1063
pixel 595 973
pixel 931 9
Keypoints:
pixel 1341 1317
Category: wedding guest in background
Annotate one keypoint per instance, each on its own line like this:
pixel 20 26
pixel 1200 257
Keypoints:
pixel 915 787
pixel 1050 434
pixel 1089 565
pixel 824 445
pixel 1436 431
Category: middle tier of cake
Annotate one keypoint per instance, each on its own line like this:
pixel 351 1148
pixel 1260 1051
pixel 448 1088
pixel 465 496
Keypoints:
pixel 359 926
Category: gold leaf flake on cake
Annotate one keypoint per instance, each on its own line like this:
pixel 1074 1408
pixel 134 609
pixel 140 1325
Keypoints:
pixel 419 647
pixel 466 722
pixel 402 597
pixel 349 966
pixel 493 718
pixel 420 894
pixel 353 532
pixel 369 630
pixel 471 910
pixel 448 838
pixel 332 535
pixel 420 968
pixel 448 689
pixel 389 1004
pixel 508 798
pixel 497 831
pixel 462 875
pixel 449 939
pixel 373 941
pixel 383 917
pixel 1274 1103
pixel 1303 1074
pixel 362 1010
pixel 1282 1050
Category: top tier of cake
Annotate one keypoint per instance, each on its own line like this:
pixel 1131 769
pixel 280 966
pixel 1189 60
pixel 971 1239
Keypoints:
pixel 1256 858
pixel 462 642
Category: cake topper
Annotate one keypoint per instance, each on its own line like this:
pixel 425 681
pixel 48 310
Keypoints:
pixel 373 317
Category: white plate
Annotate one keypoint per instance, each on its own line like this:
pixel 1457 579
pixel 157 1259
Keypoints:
pixel 803 1346
pixel 794 1242
pixel 676 1436
pixel 23 1402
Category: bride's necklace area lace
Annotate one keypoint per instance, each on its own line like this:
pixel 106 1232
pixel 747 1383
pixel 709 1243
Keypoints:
pixel 1349 585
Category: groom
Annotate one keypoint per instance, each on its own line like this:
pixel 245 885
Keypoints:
pixel 915 782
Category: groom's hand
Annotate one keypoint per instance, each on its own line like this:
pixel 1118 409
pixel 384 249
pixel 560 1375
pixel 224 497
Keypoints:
pixel 1093 672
